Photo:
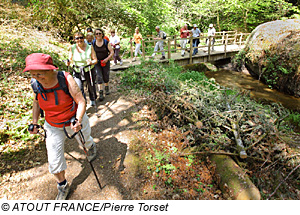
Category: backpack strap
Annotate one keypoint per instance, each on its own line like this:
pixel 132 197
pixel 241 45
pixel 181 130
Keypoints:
pixel 94 43
pixel 105 43
pixel 63 82
pixel 38 88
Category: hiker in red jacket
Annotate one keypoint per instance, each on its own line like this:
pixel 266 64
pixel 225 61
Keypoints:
pixel 60 105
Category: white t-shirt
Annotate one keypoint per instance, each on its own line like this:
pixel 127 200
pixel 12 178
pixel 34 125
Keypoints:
pixel 114 40
pixel 196 32
pixel 211 32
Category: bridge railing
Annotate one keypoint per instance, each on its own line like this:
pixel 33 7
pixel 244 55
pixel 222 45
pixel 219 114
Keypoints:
pixel 172 43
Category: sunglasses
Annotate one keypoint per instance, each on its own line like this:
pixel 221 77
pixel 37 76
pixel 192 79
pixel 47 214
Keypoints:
pixel 98 33
pixel 78 38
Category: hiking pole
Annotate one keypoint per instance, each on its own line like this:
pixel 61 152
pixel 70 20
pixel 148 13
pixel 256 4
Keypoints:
pixel 73 121
pixel 93 87
pixel 91 78
pixel 32 126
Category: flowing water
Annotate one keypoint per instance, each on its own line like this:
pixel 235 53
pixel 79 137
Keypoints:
pixel 225 76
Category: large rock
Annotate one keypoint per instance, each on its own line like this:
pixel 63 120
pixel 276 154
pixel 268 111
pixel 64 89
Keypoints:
pixel 272 54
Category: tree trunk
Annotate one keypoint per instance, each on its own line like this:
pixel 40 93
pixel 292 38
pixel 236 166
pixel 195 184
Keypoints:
pixel 232 180
pixel 218 21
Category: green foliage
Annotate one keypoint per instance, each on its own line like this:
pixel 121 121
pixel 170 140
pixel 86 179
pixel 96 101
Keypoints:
pixel 191 75
pixel 162 162
pixel 69 15
pixel 274 68
pixel 239 59
pixel 294 117
pixel 148 77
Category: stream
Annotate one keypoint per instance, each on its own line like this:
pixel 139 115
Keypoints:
pixel 227 77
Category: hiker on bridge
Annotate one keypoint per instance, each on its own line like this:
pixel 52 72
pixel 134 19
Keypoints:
pixel 184 34
pixel 159 44
pixel 196 33
pixel 115 43
pixel 57 93
pixel 211 36
pixel 83 57
pixel 104 53
pixel 137 37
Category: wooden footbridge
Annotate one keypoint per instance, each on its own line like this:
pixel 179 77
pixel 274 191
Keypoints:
pixel 227 44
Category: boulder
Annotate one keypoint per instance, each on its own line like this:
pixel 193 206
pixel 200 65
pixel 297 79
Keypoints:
pixel 271 54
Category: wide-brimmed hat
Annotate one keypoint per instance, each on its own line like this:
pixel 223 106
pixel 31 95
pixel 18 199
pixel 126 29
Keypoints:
pixel 211 25
pixel 195 26
pixel 39 61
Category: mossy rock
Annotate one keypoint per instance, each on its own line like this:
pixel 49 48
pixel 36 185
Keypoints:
pixel 272 55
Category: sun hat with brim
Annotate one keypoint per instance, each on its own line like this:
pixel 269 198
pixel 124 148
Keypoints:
pixel 39 61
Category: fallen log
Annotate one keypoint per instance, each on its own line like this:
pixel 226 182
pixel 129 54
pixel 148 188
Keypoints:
pixel 232 180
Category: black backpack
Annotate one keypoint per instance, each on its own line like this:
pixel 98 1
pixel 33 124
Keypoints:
pixel 38 88
pixel 164 35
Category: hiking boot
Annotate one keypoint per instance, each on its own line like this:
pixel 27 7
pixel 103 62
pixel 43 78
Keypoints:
pixel 121 63
pixel 107 90
pixel 93 103
pixel 101 97
pixel 63 192
pixel 92 153
pixel 162 58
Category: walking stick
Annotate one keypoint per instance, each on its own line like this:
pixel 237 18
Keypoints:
pixel 32 126
pixel 93 86
pixel 91 78
pixel 73 121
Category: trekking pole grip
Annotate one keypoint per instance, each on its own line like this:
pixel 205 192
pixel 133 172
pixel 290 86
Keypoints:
pixel 73 120
pixel 32 126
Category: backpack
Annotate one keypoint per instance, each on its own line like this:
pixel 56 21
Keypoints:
pixel 164 35
pixel 38 88
pixel 105 43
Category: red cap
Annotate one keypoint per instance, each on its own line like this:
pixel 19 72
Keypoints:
pixel 39 61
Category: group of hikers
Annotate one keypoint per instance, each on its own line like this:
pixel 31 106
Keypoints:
pixel 184 34
pixel 60 95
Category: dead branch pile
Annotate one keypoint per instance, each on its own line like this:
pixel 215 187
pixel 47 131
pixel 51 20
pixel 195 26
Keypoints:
pixel 227 121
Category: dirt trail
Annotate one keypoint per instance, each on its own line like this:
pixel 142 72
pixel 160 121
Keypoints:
pixel 111 132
